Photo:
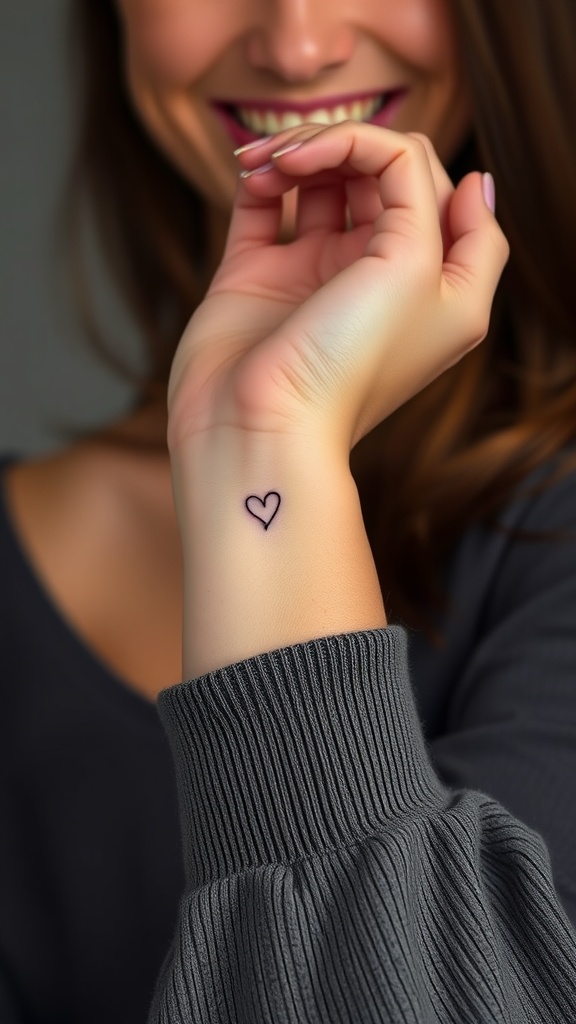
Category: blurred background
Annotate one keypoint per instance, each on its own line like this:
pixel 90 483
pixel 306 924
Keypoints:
pixel 47 371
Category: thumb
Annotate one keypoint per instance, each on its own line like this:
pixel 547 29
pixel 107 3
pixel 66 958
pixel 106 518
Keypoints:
pixel 479 252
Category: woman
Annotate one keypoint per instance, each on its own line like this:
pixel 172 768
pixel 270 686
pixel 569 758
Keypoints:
pixel 363 519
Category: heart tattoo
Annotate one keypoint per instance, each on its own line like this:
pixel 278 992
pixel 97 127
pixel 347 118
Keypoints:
pixel 260 504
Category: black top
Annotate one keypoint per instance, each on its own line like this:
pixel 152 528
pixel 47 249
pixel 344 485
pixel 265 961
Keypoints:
pixel 90 847
pixel 90 852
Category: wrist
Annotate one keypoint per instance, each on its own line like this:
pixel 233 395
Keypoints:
pixel 216 472
pixel 274 546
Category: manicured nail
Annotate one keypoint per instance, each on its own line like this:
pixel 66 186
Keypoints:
pixel 252 145
pixel 288 149
pixel 489 190
pixel 257 170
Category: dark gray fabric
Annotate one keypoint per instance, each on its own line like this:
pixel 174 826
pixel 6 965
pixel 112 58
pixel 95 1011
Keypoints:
pixel 330 874
pixel 498 700
pixel 358 810
pixel 90 853
pixel 9 1013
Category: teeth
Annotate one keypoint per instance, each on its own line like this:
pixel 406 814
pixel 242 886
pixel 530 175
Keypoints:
pixel 269 123
pixel 290 120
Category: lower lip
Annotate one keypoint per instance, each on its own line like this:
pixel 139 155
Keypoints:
pixel 241 136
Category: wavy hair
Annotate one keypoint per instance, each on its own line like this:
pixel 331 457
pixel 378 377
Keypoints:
pixel 455 453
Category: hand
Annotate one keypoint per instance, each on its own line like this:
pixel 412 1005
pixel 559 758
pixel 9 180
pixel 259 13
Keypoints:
pixel 388 281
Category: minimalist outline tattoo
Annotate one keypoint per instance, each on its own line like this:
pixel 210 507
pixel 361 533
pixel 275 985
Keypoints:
pixel 262 507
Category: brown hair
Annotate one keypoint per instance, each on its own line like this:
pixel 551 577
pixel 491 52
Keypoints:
pixel 455 453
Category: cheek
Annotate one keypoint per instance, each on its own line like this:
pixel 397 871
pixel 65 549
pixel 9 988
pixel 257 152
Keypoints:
pixel 422 32
pixel 174 42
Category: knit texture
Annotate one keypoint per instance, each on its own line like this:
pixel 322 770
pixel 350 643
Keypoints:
pixel 330 875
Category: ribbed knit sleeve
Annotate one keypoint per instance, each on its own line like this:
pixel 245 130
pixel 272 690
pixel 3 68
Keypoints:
pixel 330 875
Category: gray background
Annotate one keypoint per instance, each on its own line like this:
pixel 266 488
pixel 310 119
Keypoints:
pixel 46 367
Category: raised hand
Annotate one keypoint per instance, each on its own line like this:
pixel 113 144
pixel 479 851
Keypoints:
pixel 388 281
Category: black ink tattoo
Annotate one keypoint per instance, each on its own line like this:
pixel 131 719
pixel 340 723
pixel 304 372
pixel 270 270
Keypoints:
pixel 260 504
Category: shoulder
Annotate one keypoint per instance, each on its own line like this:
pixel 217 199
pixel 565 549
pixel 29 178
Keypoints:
pixel 546 498
pixel 84 517
pixel 524 557
pixel 534 547
pixel 83 491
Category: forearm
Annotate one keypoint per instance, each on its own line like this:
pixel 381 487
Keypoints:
pixel 252 585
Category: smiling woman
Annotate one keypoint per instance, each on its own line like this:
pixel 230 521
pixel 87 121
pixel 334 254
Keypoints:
pixel 471 453
pixel 341 510
pixel 247 121
pixel 302 59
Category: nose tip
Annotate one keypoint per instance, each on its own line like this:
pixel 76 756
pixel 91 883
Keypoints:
pixel 298 47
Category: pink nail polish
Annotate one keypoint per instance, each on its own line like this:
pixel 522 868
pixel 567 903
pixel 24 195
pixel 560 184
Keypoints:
pixel 252 145
pixel 489 190
pixel 257 170
pixel 288 149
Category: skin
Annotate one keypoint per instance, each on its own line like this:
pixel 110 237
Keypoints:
pixel 265 395
pixel 254 49
pixel 284 50
pixel 296 353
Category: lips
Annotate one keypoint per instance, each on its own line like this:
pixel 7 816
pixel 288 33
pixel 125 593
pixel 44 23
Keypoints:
pixel 248 120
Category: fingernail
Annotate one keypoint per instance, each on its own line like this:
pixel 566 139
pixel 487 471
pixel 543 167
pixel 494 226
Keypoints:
pixel 252 145
pixel 257 170
pixel 288 149
pixel 489 190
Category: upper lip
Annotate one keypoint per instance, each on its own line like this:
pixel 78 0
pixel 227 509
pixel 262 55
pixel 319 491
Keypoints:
pixel 304 106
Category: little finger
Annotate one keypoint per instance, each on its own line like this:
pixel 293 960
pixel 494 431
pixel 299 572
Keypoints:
pixel 475 262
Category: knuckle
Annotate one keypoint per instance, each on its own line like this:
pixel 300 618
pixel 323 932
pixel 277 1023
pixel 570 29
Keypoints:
pixel 429 270
pixel 479 324
pixel 423 270
pixel 421 141
pixel 503 246
pixel 499 243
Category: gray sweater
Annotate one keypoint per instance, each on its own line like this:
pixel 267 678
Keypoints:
pixel 374 830
pixel 340 867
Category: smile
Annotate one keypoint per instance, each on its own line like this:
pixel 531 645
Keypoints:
pixel 247 121
pixel 268 122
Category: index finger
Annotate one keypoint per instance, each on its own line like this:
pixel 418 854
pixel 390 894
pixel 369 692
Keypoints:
pixel 401 165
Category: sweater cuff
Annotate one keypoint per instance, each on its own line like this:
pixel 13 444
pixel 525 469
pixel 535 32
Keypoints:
pixel 298 751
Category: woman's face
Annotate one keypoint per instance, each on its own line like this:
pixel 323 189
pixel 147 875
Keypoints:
pixel 205 76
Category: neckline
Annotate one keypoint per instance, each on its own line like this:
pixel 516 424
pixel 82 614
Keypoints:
pixel 92 669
